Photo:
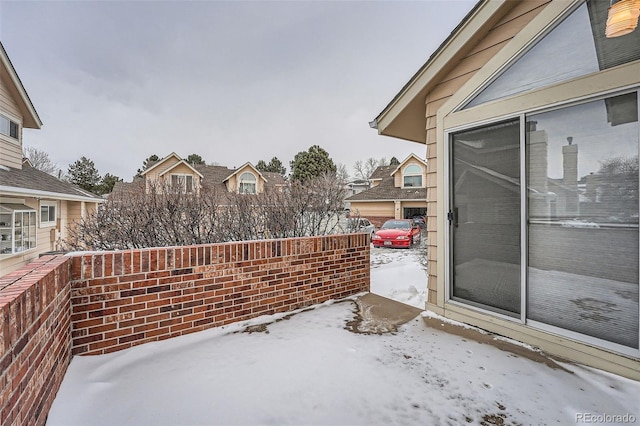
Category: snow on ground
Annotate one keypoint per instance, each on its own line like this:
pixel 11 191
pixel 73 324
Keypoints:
pixel 307 369
pixel 397 274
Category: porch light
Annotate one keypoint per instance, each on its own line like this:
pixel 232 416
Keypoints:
pixel 622 17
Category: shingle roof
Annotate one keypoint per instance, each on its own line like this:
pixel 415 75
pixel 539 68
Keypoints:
pixel 382 172
pixel 386 189
pixel 31 179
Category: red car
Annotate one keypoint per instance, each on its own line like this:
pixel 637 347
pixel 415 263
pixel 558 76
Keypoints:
pixel 401 233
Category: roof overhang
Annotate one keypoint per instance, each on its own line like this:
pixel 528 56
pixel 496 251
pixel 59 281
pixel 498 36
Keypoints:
pixel 404 117
pixel 30 118
pixel 184 163
pixel 244 167
pixel 13 191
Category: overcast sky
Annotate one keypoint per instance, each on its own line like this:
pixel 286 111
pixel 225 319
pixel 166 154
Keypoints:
pixel 117 81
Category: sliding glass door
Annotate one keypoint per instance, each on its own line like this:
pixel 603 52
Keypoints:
pixel 485 217
pixel 574 213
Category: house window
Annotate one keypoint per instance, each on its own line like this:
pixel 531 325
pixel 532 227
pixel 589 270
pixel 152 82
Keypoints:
pixel 17 228
pixel 557 247
pixel 8 127
pixel 247 183
pixel 47 213
pixel 583 218
pixel 182 183
pixel 413 176
pixel 576 47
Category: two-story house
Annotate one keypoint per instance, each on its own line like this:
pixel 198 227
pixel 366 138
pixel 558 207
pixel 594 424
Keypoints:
pixel 174 173
pixel 36 208
pixel 397 192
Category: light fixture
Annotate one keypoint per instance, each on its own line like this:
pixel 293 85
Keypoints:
pixel 622 17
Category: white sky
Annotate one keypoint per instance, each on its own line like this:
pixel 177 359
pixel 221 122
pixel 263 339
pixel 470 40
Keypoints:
pixel 117 81
pixel 309 370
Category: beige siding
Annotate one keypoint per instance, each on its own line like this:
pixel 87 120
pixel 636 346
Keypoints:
pixel 10 149
pixel 486 48
pixel 233 182
pixel 380 208
pixel 398 177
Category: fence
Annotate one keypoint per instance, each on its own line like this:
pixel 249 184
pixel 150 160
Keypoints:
pixel 94 303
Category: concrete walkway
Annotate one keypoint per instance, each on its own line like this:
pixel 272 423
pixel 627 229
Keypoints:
pixel 377 314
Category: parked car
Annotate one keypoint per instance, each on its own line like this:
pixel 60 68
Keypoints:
pixel 420 221
pixel 360 224
pixel 399 233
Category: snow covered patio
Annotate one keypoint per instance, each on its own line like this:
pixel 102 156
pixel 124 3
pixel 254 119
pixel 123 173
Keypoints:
pixel 307 368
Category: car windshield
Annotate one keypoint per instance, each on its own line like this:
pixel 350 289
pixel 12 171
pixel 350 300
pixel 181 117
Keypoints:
pixel 396 224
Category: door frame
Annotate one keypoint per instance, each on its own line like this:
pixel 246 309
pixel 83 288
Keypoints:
pixel 448 194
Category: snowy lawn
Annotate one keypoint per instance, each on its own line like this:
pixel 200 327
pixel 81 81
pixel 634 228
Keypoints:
pixel 307 369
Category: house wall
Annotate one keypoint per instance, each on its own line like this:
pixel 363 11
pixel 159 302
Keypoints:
pixel 376 212
pixel 60 306
pixel 233 182
pixel 499 35
pixel 398 178
pixel 564 345
pixel 10 149
pixel 11 262
pixel 69 213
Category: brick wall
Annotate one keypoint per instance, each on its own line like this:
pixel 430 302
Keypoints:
pixel 35 341
pixel 122 299
pixel 102 302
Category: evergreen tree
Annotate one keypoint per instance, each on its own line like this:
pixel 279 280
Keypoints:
pixel 195 160
pixel 107 183
pixel 84 174
pixel 150 161
pixel 310 164
pixel 275 166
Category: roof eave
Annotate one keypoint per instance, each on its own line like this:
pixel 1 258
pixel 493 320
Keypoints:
pixel 30 119
pixel 404 117
pixel 14 191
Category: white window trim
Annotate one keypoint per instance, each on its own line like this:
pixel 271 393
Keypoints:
pixel 48 223
pixel 184 182
pixel 254 182
pixel 8 138
pixel 421 174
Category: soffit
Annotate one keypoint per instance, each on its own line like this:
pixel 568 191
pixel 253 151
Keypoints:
pixel 404 117
pixel 8 74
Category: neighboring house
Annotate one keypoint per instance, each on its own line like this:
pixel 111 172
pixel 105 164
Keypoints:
pixel 357 186
pixel 354 187
pixel 35 208
pixel 179 175
pixel 397 192
pixel 529 236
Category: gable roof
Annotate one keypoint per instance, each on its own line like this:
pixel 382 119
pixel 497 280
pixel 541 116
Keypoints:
pixel 30 118
pixel 247 164
pixel 404 117
pixel 179 161
pixel 410 156
pixel 33 182
pixel 386 189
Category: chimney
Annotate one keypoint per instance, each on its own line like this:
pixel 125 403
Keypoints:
pixel 570 163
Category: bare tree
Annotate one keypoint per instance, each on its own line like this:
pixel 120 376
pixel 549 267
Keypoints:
pixel 160 216
pixel 364 169
pixel 40 160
